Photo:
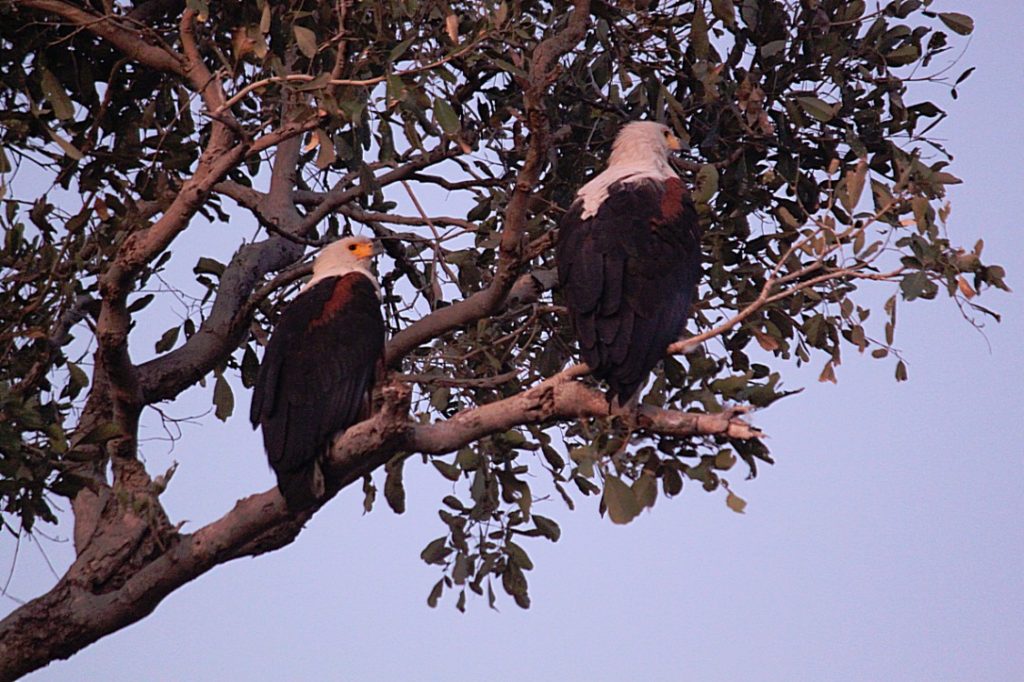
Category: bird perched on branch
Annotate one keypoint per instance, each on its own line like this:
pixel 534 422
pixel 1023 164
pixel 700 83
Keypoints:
pixel 628 258
pixel 319 367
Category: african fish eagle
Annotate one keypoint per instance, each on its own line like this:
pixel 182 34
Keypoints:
pixel 319 367
pixel 628 258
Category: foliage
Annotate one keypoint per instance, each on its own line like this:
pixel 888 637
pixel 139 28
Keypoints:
pixel 808 150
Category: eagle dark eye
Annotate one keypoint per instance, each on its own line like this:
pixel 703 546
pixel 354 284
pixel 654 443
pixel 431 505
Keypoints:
pixel 351 247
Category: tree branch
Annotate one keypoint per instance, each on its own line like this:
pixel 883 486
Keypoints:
pixel 130 41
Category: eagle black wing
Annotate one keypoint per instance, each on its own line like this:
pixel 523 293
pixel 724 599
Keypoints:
pixel 315 379
pixel 629 274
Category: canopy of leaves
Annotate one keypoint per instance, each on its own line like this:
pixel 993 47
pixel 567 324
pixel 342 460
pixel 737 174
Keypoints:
pixel 807 149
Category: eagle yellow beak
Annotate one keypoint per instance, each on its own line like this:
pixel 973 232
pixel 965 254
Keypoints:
pixel 367 249
pixel 673 142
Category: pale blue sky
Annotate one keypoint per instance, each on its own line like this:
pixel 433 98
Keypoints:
pixel 886 544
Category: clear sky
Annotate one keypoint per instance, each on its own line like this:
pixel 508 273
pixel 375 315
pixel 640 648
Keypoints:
pixel 885 544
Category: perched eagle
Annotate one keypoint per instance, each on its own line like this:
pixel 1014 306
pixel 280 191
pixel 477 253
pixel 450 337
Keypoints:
pixel 628 259
pixel 319 367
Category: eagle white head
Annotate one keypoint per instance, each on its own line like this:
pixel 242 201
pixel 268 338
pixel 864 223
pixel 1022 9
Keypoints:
pixel 643 143
pixel 351 254
pixel 641 150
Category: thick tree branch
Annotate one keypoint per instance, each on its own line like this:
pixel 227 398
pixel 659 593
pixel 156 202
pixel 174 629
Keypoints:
pixel 562 399
pixel 129 40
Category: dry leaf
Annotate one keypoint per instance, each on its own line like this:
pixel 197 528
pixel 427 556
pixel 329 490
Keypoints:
pixel 451 25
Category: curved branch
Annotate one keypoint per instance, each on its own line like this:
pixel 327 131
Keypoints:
pixel 130 41
pixel 164 377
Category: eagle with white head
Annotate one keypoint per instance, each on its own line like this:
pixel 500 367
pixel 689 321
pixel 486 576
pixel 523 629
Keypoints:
pixel 628 258
pixel 319 368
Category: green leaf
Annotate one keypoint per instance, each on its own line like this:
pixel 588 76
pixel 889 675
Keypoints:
pixel 903 55
pixel 250 367
pixel 917 285
pixel 671 482
pixel 398 50
pixel 707 184
pixel 850 10
pixel 446 116
pixel 436 551
pixel 620 501
pixel 394 490
pixel 56 96
pixel 461 569
pixel 71 150
pixel 435 593
pixel 518 556
pixel 855 185
pixel 724 10
pixel 547 527
pixel 317 83
pixel 699 33
pixel 167 340
pixel 208 266
pixel 735 502
pixel 818 108
pixel 305 39
pixel 945 178
pixel 725 460
pixel 514 582
pixel 645 490
pixel 449 471
pixel 223 398
pixel 958 23
pixel 101 434
pixel 453 502
pixel 439 397
pixel 510 68
pixel 770 49
pixel 369 494
pixel 78 380
pixel 140 303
